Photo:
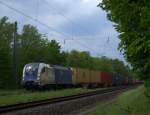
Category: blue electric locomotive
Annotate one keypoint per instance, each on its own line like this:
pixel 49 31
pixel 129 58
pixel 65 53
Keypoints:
pixel 37 75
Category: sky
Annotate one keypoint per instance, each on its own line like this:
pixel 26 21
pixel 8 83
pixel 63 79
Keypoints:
pixel 75 24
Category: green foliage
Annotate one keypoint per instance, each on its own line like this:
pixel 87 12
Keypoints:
pixel 6 34
pixel 79 59
pixel 35 47
pixel 103 64
pixel 132 21
pixel 85 60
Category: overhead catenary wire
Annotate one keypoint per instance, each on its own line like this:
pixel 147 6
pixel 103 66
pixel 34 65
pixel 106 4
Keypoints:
pixel 43 24
pixel 32 18
pixel 37 10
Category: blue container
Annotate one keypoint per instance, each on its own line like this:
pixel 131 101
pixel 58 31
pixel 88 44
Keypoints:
pixel 114 79
pixel 63 75
pixel 122 79
pixel 117 79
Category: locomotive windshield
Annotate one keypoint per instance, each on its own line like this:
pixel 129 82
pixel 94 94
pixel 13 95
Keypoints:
pixel 31 67
pixel 31 71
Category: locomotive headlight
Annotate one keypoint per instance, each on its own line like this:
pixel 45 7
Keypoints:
pixel 28 69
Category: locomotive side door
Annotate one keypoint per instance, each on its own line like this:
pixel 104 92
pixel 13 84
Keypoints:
pixel 51 75
pixel 43 76
pixel 47 76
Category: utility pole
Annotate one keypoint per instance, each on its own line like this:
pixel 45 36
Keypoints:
pixel 14 54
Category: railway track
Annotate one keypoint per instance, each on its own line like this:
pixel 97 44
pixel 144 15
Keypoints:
pixel 28 105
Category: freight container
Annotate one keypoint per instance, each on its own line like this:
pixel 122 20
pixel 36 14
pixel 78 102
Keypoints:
pixel 134 80
pixel 94 78
pixel 130 80
pixel 122 79
pixel 63 75
pixel 80 76
pixel 114 79
pixel 86 77
pixel 137 81
pixel 126 80
pixel 106 78
pixel 118 79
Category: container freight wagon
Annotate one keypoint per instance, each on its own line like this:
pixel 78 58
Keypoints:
pixel 134 80
pixel 80 76
pixel 63 75
pixel 130 80
pixel 106 78
pixel 126 80
pixel 123 80
pixel 117 79
pixel 95 79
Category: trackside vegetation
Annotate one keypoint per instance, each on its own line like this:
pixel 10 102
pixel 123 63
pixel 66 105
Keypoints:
pixel 133 102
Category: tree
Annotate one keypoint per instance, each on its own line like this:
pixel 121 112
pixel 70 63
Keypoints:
pixel 120 68
pixel 53 53
pixel 6 35
pixel 79 59
pixel 102 64
pixel 132 21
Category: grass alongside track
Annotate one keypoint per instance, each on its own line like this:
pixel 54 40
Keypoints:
pixel 132 102
pixel 20 96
